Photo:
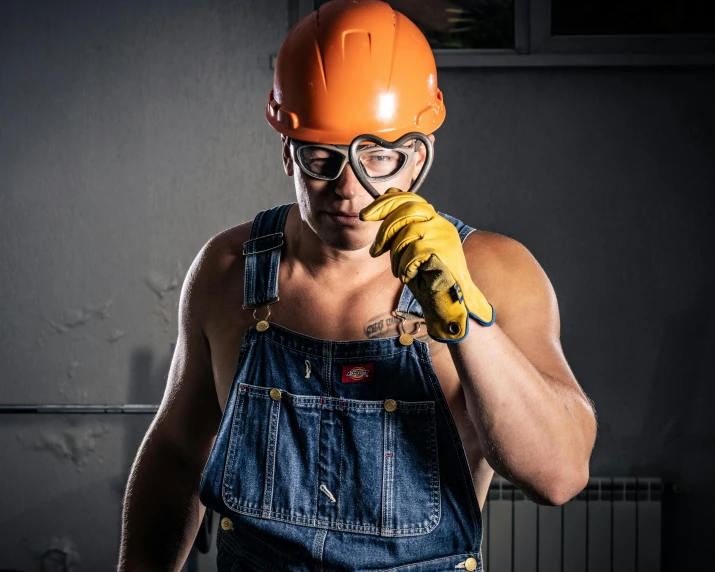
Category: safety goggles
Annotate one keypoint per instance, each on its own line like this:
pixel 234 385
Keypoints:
pixel 326 162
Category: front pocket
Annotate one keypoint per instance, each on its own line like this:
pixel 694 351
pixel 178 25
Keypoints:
pixel 342 464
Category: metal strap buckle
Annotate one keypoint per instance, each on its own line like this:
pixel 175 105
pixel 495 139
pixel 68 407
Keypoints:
pixel 261 238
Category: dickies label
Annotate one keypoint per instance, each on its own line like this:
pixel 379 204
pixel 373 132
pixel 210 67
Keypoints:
pixel 358 373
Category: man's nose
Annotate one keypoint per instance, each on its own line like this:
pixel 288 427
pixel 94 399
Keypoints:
pixel 347 184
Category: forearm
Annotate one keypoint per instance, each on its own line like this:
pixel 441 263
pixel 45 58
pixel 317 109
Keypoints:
pixel 161 513
pixel 534 430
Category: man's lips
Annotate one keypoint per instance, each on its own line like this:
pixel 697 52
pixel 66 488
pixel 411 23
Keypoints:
pixel 345 218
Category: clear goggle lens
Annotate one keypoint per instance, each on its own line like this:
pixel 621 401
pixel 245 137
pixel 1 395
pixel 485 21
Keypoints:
pixel 328 161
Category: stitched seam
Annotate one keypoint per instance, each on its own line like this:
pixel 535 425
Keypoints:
pixel 251 263
pixel 327 367
pixel 449 419
pixel 306 401
pixel 387 528
pixel 317 461
pixel 340 465
pixel 248 281
pixel 233 445
pixel 434 471
pixel 328 524
pixel 455 557
pixel 340 359
pixel 256 226
pixel 319 546
pixel 269 482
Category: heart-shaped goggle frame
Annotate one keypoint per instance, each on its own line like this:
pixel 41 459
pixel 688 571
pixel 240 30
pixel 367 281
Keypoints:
pixel 358 167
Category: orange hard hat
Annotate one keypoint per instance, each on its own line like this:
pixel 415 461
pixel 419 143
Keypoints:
pixel 354 67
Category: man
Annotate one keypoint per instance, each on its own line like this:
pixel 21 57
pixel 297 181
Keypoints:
pixel 299 404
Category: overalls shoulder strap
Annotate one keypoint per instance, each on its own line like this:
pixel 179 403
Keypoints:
pixel 263 254
pixel 408 302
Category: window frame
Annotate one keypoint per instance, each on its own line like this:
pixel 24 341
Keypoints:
pixel 535 46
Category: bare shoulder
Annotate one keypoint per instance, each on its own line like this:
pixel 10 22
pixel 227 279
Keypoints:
pixel 227 245
pixel 526 306
pixel 220 253
pixel 210 269
pixel 509 276
pixel 499 253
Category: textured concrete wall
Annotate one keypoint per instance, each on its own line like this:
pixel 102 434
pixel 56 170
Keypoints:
pixel 131 132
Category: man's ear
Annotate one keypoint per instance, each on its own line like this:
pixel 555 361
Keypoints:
pixel 287 158
pixel 421 157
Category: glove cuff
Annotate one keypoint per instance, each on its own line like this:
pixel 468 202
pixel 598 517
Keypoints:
pixel 477 305
pixel 447 315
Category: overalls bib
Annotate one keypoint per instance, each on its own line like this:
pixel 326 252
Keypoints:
pixel 335 456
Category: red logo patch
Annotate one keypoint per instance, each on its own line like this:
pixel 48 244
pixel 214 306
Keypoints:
pixel 358 373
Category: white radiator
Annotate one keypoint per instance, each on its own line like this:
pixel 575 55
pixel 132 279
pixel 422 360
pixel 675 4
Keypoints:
pixel 613 525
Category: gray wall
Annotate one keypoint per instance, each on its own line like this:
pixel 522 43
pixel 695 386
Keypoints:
pixel 131 132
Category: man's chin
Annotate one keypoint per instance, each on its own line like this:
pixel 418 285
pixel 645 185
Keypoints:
pixel 347 243
pixel 351 237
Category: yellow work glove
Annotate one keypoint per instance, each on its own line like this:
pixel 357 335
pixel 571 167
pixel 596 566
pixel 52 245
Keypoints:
pixel 426 254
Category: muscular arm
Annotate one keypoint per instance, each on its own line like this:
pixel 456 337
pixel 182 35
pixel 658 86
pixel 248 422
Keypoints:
pixel 536 426
pixel 162 512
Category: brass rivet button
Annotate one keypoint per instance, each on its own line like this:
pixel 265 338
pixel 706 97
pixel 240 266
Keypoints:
pixel 470 564
pixel 406 339
pixel 275 394
pixel 454 328
pixel 262 326
pixel 390 405
pixel 226 524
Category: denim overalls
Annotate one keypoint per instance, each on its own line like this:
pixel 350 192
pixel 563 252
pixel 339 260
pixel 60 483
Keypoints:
pixel 336 455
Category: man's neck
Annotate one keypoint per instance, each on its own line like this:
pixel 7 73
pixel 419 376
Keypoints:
pixel 308 252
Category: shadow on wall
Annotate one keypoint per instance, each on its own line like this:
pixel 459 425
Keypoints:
pixel 677 389
pixel 674 442
pixel 74 524
pixel 147 383
pixel 674 404
pixel 674 430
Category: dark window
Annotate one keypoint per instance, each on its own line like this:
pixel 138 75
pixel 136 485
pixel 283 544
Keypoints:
pixel 631 17
pixel 460 24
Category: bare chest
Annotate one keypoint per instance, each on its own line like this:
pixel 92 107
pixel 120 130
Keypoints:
pixel 329 313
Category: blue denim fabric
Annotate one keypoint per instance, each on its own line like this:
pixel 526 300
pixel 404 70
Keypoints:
pixel 324 476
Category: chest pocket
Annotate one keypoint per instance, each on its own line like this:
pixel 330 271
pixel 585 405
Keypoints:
pixel 353 465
